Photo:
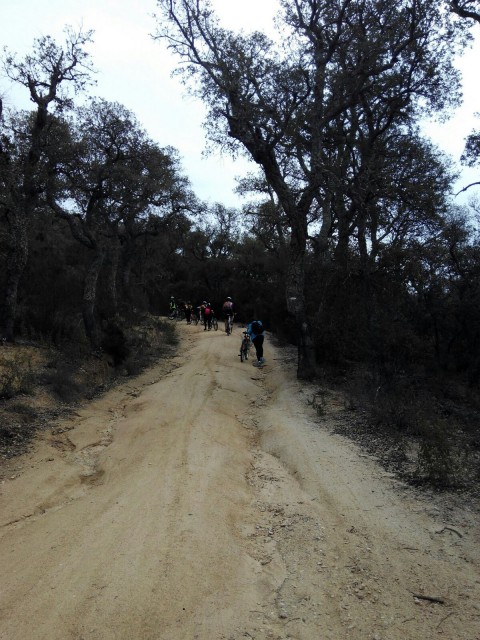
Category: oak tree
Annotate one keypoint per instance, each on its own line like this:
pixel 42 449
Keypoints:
pixel 50 74
pixel 279 102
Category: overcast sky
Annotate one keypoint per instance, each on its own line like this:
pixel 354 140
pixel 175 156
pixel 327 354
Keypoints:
pixel 134 70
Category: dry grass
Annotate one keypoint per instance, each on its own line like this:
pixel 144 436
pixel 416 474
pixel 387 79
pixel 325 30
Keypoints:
pixel 39 383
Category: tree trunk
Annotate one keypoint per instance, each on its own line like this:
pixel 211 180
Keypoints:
pixel 362 240
pixel 126 261
pixel 19 218
pixel 111 306
pixel 341 252
pixel 89 297
pixel 295 293
pixel 16 261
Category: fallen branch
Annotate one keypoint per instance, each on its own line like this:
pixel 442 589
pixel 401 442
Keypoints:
pixel 443 619
pixel 450 529
pixel 429 598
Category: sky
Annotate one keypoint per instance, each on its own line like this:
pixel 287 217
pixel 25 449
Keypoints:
pixel 135 71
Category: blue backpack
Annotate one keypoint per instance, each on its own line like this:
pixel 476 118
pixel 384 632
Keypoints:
pixel 257 327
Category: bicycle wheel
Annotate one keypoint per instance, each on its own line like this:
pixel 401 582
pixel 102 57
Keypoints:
pixel 242 354
pixel 215 324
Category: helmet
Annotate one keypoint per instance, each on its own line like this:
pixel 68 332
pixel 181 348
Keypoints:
pixel 229 298
pixel 172 298
pixel 204 302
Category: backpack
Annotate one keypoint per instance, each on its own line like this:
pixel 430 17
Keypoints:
pixel 206 311
pixel 257 327
pixel 227 306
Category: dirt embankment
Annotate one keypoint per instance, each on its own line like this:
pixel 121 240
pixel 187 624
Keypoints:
pixel 205 501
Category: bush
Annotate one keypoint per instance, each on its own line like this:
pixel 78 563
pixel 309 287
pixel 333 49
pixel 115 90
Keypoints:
pixel 65 384
pixel 17 377
pixel 436 456
pixel 169 335
pixel 114 343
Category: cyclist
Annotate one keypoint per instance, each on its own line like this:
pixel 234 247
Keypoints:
pixel 200 309
pixel 207 316
pixel 256 332
pixel 173 307
pixel 227 309
pixel 188 308
pixel 213 319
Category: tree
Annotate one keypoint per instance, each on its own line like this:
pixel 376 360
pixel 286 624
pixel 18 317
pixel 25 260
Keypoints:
pixel 466 9
pixel 469 10
pixel 49 74
pixel 111 184
pixel 280 105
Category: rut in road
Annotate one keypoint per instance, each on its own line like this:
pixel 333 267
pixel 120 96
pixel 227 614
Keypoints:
pixel 206 501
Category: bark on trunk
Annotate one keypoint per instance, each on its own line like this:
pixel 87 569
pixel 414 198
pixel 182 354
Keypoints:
pixel 295 292
pixel 16 261
pixel 19 218
pixel 89 298
pixel 111 307
pixel 126 262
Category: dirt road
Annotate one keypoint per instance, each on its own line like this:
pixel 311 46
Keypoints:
pixel 205 501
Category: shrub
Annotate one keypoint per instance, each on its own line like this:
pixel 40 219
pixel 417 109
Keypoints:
pixel 167 329
pixel 115 344
pixel 17 376
pixel 64 383
pixel 436 457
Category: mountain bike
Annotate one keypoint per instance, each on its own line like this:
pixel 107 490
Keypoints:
pixel 197 316
pixel 228 325
pixel 179 315
pixel 245 346
pixel 214 323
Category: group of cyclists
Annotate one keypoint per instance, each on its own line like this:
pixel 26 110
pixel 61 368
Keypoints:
pixel 205 314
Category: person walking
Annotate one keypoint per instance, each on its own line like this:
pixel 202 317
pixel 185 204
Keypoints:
pixel 188 312
pixel 201 309
pixel 207 317
pixel 256 332
pixel 172 308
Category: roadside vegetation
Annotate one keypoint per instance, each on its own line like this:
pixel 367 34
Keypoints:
pixel 348 244
pixel 41 383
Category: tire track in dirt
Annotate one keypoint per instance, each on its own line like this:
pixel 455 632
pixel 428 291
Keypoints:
pixel 361 546
pixel 205 501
